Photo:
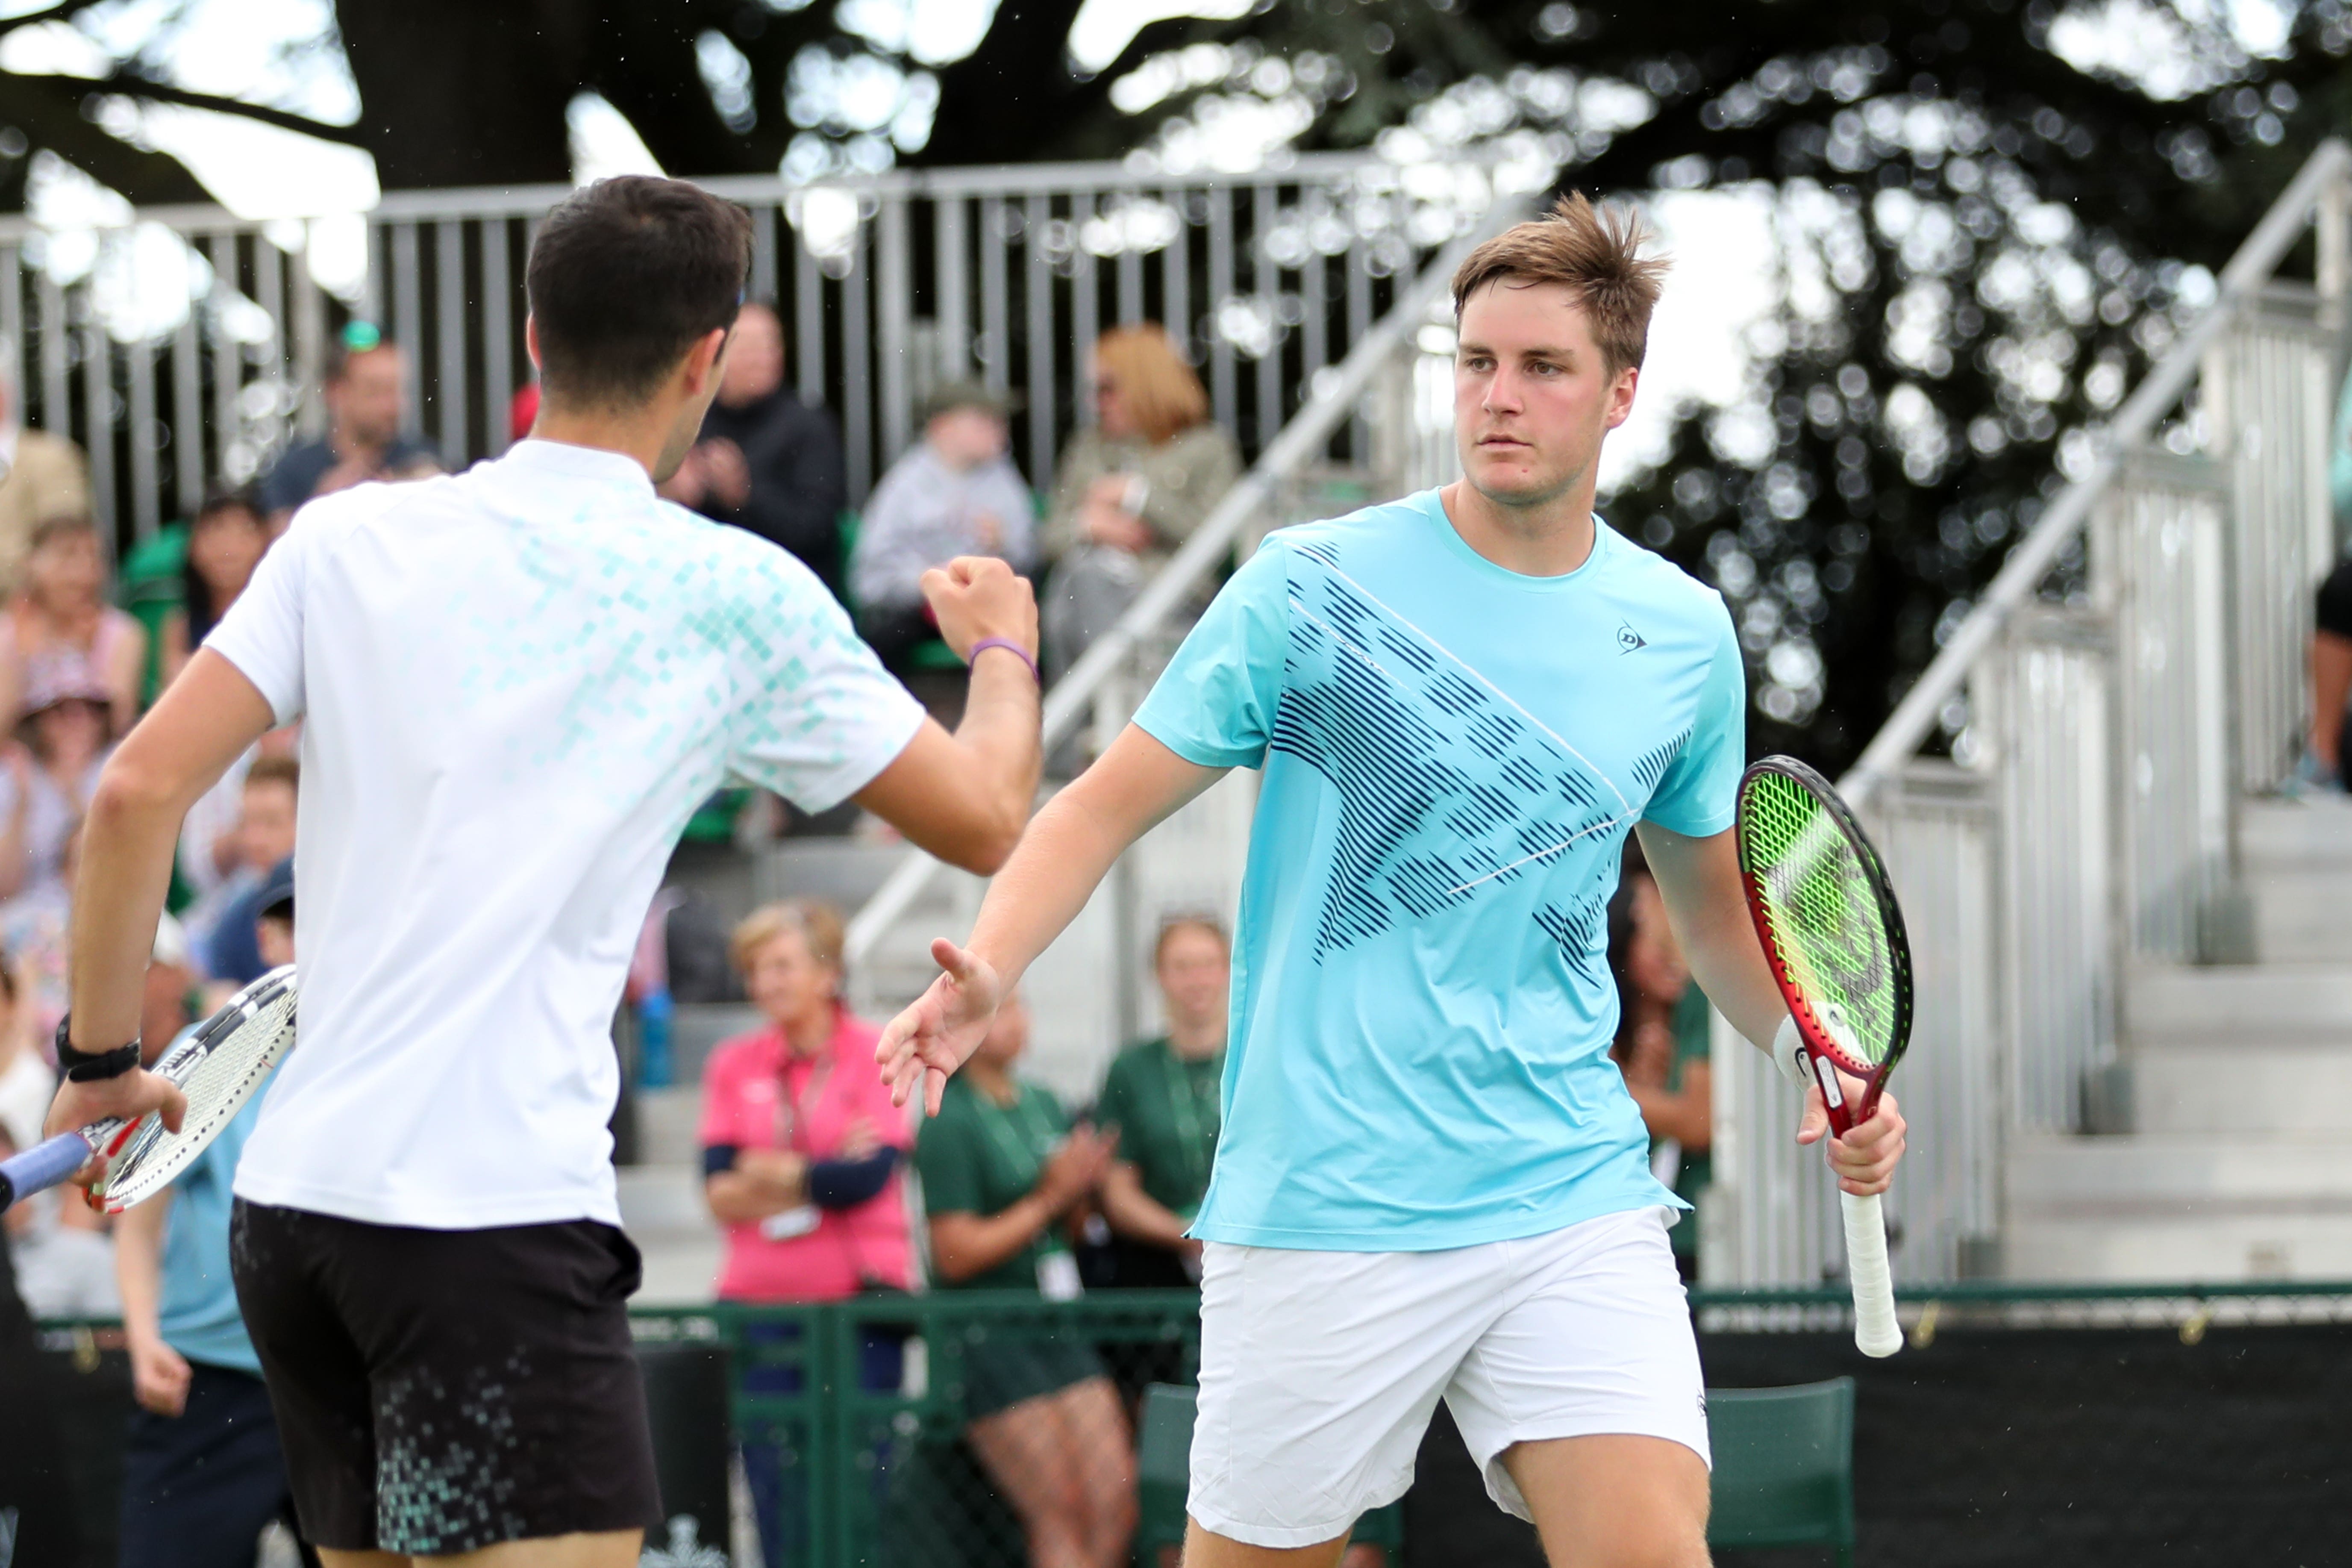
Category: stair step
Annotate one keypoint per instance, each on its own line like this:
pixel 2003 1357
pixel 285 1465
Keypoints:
pixel 2172 1249
pixel 2299 914
pixel 2287 833
pixel 667 1120
pixel 2241 1087
pixel 662 1211
pixel 2178 1175
pixel 2268 1001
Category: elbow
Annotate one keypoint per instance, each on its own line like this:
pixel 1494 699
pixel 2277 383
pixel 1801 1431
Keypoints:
pixel 986 844
pixel 128 792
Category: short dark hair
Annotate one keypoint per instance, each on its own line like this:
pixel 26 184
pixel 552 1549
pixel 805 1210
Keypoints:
pixel 623 277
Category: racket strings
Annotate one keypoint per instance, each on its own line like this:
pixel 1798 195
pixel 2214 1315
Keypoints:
pixel 1822 914
pixel 219 1077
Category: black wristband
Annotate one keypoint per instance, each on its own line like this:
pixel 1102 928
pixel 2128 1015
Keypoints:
pixel 92 1067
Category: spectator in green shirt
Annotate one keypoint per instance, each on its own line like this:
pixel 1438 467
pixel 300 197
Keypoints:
pixel 1002 1168
pixel 1662 1045
pixel 1162 1098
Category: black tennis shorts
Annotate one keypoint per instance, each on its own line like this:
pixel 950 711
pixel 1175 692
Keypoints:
pixel 442 1391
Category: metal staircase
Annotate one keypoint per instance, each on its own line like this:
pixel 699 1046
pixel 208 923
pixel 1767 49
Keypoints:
pixel 2132 1059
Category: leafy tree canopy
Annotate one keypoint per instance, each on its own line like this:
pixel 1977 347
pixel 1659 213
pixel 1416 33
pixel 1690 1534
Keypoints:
pixel 1987 216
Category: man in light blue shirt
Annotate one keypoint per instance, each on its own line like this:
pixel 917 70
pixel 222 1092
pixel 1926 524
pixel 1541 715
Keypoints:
pixel 1431 1181
pixel 202 1469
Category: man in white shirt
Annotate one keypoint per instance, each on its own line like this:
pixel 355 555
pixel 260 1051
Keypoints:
pixel 518 684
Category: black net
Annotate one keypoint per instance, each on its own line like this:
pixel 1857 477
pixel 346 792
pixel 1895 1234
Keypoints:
pixel 2145 1430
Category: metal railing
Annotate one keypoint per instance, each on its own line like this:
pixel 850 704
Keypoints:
pixel 2101 740
pixel 1380 387
pixel 181 345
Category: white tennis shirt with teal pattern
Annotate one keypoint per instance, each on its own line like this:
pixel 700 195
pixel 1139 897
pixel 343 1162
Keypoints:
pixel 516 686
pixel 1454 754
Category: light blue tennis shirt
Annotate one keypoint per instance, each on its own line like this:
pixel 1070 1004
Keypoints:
pixel 1453 753
pixel 197 1312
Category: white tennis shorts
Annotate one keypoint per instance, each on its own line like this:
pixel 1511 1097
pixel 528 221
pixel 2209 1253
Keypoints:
pixel 1319 1370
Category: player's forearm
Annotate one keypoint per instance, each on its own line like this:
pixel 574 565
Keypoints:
pixel 1070 846
pixel 1000 737
pixel 126 870
pixel 1699 879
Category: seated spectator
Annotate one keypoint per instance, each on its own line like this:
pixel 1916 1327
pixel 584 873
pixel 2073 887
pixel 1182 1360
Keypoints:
pixel 800 1144
pixel 801 1151
pixel 65 734
pixel 1162 1100
pixel 212 843
pixel 1002 1168
pixel 365 389
pixel 221 923
pixel 203 1470
pixel 63 608
pixel 955 492
pixel 1662 1044
pixel 1130 487
pixel 766 461
pixel 225 542
pixel 41 476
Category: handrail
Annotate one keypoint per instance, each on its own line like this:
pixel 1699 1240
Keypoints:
pixel 1298 443
pixel 2013 585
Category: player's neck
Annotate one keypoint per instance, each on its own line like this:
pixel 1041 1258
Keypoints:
pixel 1550 539
pixel 639 434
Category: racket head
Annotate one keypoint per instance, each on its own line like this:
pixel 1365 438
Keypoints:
pixel 1825 912
pixel 218 1068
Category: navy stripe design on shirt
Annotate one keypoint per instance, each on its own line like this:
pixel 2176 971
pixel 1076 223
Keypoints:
pixel 1416 742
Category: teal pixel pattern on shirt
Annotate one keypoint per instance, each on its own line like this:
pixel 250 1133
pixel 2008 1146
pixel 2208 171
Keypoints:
pixel 1452 755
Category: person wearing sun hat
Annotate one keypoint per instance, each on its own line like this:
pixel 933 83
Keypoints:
pixel 65 730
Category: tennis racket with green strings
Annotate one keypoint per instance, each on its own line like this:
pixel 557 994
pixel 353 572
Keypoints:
pixel 1833 936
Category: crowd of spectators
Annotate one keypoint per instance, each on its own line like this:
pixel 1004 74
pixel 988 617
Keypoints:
pixel 76 671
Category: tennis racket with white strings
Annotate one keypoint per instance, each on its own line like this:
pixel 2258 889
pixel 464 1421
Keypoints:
pixel 218 1067
pixel 1833 936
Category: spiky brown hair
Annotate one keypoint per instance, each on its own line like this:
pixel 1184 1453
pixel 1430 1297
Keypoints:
pixel 1596 252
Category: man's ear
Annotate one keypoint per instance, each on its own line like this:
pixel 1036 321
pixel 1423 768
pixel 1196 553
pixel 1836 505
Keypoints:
pixel 1621 396
pixel 706 358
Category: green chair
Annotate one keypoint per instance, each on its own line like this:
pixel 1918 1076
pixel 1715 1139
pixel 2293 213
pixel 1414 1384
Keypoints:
pixel 1783 1467
pixel 1163 1451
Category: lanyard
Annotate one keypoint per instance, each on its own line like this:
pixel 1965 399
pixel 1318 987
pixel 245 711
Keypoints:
pixel 793 1110
pixel 1184 1105
pixel 995 1118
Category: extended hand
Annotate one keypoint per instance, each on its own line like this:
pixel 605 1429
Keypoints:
pixel 976 596
pixel 940 1030
pixel 1863 1159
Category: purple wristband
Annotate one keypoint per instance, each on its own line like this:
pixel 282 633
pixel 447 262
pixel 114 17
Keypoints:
pixel 1009 645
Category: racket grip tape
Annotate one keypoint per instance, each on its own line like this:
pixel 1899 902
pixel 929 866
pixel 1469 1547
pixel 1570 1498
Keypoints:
pixel 1875 1331
pixel 41 1167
